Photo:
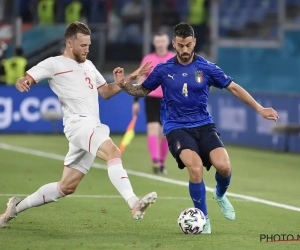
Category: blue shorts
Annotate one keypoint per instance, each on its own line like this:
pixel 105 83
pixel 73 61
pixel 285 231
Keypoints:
pixel 202 140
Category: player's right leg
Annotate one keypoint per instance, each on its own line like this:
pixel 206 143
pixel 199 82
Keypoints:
pixel 44 195
pixel 92 138
pixel 109 152
pixel 184 148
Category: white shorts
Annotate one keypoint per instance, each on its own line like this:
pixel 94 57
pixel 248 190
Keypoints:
pixel 85 135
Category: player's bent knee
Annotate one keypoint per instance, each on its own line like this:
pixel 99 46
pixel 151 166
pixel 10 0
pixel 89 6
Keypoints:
pixel 116 153
pixel 113 153
pixel 224 168
pixel 108 151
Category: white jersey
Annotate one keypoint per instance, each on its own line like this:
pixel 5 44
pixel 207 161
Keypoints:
pixel 75 84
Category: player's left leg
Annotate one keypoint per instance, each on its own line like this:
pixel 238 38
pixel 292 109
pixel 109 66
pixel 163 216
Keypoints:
pixel 219 158
pixel 51 192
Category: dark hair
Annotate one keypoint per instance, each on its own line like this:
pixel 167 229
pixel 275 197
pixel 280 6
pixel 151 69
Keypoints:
pixel 183 30
pixel 19 51
pixel 77 27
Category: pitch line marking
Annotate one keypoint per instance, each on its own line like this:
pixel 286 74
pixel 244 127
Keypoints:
pixel 145 175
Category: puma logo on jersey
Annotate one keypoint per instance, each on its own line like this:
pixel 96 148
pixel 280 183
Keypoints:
pixel 171 76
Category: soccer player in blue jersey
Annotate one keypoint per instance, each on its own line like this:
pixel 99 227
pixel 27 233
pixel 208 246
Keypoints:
pixel 191 133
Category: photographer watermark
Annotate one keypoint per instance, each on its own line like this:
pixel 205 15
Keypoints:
pixel 279 237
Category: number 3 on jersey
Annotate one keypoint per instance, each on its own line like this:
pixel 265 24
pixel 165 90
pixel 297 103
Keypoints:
pixel 89 81
pixel 185 90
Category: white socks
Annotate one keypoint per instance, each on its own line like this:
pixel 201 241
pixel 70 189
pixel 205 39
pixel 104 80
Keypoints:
pixel 119 178
pixel 45 194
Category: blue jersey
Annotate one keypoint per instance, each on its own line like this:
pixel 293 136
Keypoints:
pixel 185 91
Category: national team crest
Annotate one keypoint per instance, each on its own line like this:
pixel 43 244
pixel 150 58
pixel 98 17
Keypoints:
pixel 198 76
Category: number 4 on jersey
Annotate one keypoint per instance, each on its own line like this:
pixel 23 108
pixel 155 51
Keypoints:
pixel 185 90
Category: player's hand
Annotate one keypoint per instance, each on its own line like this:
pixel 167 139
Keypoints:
pixel 23 84
pixel 269 114
pixel 144 69
pixel 119 75
pixel 135 108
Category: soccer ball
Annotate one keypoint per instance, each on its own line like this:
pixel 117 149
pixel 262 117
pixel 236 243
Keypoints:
pixel 191 221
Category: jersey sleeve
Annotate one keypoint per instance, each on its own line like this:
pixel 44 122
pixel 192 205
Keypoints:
pixel 100 81
pixel 218 78
pixel 153 81
pixel 43 70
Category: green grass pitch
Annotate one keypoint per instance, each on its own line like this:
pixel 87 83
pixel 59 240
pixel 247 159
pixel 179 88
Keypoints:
pixel 97 218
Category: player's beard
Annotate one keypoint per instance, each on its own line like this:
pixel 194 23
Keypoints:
pixel 188 56
pixel 78 57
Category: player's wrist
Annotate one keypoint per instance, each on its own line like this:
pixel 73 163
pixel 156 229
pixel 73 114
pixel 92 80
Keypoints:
pixel 122 84
pixel 259 109
pixel 131 78
pixel 126 81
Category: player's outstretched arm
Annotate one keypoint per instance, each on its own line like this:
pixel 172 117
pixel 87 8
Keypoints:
pixel 24 83
pixel 109 90
pixel 137 90
pixel 244 96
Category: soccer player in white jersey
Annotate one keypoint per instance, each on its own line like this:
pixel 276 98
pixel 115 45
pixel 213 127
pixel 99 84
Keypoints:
pixel 77 83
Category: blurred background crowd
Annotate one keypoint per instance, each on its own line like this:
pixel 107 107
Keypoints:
pixel 254 41
pixel 123 29
pixel 118 26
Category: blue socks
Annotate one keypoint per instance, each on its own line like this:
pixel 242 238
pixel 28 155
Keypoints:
pixel 198 195
pixel 198 191
pixel 222 184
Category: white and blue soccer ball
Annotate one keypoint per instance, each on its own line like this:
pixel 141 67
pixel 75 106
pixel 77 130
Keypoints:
pixel 191 221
